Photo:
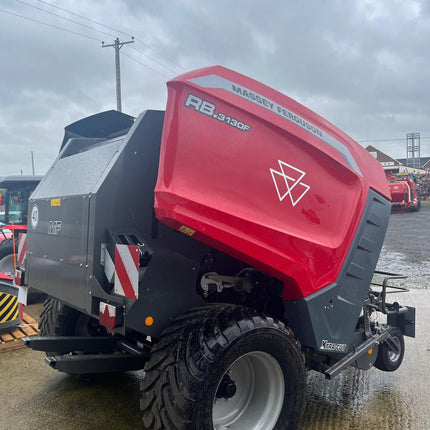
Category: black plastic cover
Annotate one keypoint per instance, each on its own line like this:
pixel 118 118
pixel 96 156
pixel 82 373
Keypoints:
pixel 103 125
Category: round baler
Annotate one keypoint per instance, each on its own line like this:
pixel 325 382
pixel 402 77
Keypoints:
pixel 226 246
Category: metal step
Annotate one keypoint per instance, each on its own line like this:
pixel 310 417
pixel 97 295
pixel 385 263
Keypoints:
pixel 82 364
pixel 81 355
pixel 66 344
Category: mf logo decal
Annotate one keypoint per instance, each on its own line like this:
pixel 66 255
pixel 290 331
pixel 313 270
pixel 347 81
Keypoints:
pixel 54 227
pixel 288 182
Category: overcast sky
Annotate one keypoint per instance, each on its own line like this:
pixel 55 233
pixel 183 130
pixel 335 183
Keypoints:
pixel 363 65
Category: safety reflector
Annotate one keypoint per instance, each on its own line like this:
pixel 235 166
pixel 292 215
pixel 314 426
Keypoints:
pixel 127 271
pixel 107 261
pixel 22 247
pixel 18 278
pixel 109 315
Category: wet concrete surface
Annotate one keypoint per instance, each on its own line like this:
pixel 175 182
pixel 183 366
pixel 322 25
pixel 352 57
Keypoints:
pixel 373 399
pixel 35 397
pixel 406 248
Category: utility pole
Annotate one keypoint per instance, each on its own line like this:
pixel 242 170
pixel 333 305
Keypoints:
pixel 32 162
pixel 117 45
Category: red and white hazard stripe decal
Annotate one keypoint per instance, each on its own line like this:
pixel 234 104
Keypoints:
pixel 22 247
pixel 127 271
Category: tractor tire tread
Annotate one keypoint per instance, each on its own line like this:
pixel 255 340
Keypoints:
pixel 200 335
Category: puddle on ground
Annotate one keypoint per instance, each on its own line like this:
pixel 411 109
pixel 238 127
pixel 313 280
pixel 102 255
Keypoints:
pixel 359 399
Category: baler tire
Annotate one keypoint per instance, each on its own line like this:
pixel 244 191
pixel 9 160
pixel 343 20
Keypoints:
pixel 6 257
pixel 187 382
pixel 58 319
pixel 387 360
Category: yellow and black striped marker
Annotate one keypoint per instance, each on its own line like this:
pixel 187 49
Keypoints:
pixel 9 309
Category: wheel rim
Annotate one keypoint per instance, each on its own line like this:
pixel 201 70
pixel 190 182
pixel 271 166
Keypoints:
pixel 392 355
pixel 259 396
pixel 6 265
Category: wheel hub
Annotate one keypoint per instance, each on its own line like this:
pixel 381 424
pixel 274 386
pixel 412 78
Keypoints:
pixel 250 395
pixel 226 389
pixel 394 353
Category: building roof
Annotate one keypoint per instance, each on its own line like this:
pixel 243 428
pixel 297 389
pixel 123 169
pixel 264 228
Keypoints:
pixel 383 158
pixel 386 160
pixel 391 164
pixel 423 161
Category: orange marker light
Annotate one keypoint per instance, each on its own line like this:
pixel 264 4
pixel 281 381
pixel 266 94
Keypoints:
pixel 149 321
pixel 370 351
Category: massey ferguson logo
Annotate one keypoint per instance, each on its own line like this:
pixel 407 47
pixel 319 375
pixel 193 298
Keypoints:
pixel 288 182
pixel 54 227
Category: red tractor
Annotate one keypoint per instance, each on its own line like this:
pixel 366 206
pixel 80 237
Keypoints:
pixel 14 194
pixel 405 193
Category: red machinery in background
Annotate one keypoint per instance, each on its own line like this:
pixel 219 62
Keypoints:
pixel 14 194
pixel 405 193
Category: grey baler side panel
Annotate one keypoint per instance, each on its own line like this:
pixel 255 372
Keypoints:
pixel 168 287
pixel 93 186
pixel 57 262
pixel 124 201
pixel 332 313
pixel 78 174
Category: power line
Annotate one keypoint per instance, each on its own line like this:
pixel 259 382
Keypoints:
pixel 118 31
pixel 63 17
pixel 386 140
pixel 145 65
pixel 49 25
pixel 152 59
pixel 86 36
pixel 83 17
pixel 81 35
pixel 161 55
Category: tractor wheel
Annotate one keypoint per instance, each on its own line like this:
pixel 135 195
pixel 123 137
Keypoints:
pixel 389 360
pixel 6 257
pixel 417 207
pixel 58 319
pixel 224 367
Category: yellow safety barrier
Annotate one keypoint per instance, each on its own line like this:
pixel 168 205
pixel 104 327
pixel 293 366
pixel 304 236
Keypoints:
pixel 9 309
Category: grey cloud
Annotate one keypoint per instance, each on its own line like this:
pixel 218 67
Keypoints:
pixel 362 65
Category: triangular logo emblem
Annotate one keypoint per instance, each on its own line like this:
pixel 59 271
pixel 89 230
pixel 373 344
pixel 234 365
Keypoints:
pixel 288 182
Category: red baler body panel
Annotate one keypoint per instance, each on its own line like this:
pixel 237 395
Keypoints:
pixel 260 177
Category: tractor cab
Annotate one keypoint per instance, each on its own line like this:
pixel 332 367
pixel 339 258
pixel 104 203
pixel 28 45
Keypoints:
pixel 14 194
